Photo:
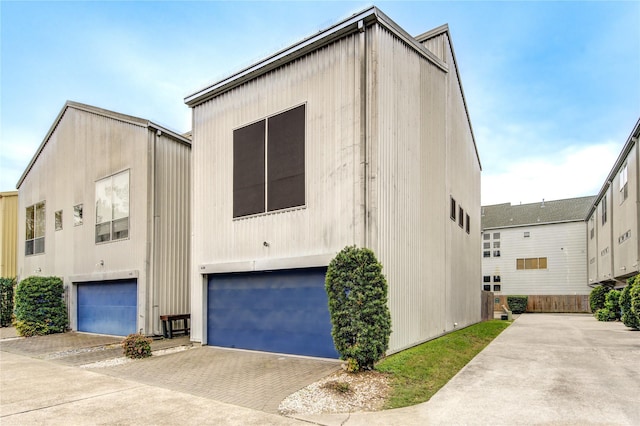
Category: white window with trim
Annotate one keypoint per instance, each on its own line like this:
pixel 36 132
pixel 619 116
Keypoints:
pixel 112 208
pixel 35 227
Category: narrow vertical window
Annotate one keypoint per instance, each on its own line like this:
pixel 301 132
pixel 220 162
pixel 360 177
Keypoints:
pixel 604 209
pixel 452 213
pixel 460 217
pixel 468 226
pixel 77 215
pixel 58 220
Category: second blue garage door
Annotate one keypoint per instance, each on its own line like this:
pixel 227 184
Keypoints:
pixel 280 311
pixel 108 307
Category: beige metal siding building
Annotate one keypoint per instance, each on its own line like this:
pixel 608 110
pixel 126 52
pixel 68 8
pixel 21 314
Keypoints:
pixel 8 233
pixel 614 219
pixel 377 142
pixel 104 204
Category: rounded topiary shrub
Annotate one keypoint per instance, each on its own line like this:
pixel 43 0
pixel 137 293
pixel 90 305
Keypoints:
pixel 40 307
pixel 6 301
pixel 597 297
pixel 136 346
pixel 629 316
pixel 635 298
pixel 612 304
pixel 518 304
pixel 357 292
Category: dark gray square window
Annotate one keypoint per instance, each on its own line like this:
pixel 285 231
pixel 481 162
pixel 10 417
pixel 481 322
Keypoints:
pixel 486 287
pixel 269 164
pixel 486 278
pixel 496 287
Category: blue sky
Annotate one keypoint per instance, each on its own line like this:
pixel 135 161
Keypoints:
pixel 553 88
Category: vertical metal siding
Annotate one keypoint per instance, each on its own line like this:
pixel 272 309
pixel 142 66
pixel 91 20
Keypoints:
pixel 83 148
pixel 8 234
pixel 326 80
pixel 171 229
pixel 624 217
pixel 421 150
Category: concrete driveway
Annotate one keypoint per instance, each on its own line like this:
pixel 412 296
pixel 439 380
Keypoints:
pixel 545 369
pixel 254 380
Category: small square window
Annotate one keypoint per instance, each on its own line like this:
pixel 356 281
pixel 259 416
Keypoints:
pixel 486 287
pixel 486 245
pixel 496 287
pixel 486 278
pixel 526 234
pixel 58 219
pixel 486 236
pixel 486 253
pixel 496 235
pixel 496 278
pixel 496 244
pixel 496 253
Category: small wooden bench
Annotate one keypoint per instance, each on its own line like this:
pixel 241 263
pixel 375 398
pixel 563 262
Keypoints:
pixel 167 324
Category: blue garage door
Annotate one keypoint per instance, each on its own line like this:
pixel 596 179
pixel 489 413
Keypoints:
pixel 280 311
pixel 108 307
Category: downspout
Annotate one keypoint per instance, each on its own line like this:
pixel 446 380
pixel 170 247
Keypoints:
pixel 151 244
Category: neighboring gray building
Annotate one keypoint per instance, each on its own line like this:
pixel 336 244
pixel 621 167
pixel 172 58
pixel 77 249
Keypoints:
pixel 104 204
pixel 358 135
pixel 614 218
pixel 535 249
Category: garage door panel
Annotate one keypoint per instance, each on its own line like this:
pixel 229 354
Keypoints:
pixel 283 311
pixel 107 307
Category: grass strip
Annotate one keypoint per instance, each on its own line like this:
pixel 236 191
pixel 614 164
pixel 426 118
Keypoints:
pixel 419 372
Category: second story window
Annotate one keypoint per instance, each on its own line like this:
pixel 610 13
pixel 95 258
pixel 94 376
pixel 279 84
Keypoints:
pixel 112 208
pixel 35 227
pixel 269 165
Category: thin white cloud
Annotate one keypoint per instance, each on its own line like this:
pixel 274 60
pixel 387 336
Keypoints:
pixel 573 172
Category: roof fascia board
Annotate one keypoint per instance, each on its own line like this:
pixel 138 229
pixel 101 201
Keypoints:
pixel 631 140
pixel 307 45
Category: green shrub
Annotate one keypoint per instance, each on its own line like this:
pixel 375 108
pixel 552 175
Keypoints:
pixel 40 307
pixel 357 293
pixel 6 301
pixel 597 297
pixel 136 346
pixel 612 303
pixel 629 317
pixel 604 314
pixel 518 304
pixel 635 298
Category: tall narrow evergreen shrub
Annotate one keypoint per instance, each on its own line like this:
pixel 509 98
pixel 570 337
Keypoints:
pixel 597 297
pixel 6 300
pixel 629 317
pixel 40 307
pixel 357 293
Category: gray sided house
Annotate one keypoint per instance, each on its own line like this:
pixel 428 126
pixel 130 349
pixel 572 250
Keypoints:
pixel 535 249
pixel 613 220
pixel 358 135
pixel 104 204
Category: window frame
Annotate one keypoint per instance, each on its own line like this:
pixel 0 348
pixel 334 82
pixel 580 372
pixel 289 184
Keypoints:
pixel 78 214
pixel 273 184
pixel 113 219
pixel 35 229
pixel 58 223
